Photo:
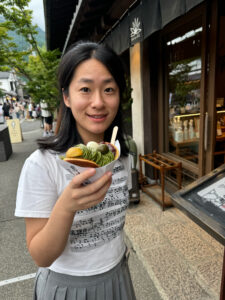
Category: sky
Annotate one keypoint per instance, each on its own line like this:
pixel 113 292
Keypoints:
pixel 38 13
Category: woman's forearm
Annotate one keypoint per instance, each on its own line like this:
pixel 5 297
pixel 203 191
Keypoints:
pixel 47 245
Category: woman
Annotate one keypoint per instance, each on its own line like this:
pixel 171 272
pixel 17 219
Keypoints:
pixel 74 230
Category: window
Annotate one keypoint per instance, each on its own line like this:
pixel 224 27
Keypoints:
pixel 183 77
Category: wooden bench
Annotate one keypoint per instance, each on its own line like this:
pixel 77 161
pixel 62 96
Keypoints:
pixel 163 164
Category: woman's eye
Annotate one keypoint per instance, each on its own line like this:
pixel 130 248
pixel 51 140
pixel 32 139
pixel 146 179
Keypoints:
pixel 85 89
pixel 109 90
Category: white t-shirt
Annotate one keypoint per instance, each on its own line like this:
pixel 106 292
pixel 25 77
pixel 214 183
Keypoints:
pixel 95 243
pixel 44 110
pixel 30 107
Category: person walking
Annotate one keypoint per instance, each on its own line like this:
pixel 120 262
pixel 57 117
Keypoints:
pixel 22 110
pixel 6 110
pixel 74 228
pixel 17 110
pixel 30 110
pixel 48 119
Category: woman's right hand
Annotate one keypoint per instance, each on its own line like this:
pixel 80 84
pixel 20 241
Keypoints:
pixel 78 196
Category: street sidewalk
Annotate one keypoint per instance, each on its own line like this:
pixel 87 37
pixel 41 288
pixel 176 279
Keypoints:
pixel 182 260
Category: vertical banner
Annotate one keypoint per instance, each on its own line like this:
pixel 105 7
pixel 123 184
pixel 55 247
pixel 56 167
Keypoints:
pixel 136 30
pixel 15 131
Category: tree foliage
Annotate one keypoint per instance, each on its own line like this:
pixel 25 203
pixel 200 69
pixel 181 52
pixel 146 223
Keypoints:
pixel 35 65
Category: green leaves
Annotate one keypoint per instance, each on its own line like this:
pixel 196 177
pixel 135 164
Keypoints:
pixel 36 66
pixel 44 84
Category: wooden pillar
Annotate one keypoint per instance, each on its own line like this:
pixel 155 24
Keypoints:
pixel 211 101
pixel 137 105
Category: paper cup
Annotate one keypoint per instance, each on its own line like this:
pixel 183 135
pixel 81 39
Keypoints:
pixel 75 170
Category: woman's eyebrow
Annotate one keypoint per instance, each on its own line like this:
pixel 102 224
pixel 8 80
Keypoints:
pixel 108 80
pixel 87 80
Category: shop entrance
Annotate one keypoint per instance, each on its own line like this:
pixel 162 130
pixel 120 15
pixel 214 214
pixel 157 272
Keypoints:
pixel 183 79
pixel 194 91
pixel 185 76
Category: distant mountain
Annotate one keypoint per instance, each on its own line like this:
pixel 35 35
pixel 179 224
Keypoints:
pixel 20 41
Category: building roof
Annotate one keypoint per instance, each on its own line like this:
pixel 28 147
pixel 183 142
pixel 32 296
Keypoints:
pixel 71 20
pixel 58 16
pixel 4 75
pixel 113 22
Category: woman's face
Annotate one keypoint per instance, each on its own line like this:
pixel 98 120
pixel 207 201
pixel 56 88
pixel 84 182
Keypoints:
pixel 93 99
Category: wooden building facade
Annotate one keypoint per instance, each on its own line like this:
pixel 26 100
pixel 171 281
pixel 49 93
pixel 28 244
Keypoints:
pixel 175 58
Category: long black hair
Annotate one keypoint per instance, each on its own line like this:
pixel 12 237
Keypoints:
pixel 67 134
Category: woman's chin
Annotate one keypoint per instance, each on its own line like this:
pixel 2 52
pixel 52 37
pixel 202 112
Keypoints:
pixel 98 129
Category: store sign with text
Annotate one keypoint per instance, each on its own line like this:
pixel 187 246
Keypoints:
pixel 15 131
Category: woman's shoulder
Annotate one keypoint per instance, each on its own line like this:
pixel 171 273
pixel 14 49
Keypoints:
pixel 42 157
pixel 43 162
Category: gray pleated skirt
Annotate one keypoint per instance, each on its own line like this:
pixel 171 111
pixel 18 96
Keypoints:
pixel 113 285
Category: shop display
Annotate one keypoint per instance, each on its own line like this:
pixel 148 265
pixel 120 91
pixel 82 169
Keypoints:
pixel 184 135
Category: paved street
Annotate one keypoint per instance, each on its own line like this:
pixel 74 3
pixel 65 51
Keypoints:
pixel 15 261
pixel 14 258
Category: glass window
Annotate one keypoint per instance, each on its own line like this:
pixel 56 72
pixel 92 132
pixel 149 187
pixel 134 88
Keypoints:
pixel 183 86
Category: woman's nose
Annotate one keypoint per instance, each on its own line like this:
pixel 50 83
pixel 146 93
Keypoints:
pixel 97 100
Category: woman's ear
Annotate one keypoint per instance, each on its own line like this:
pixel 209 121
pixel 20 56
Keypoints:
pixel 66 99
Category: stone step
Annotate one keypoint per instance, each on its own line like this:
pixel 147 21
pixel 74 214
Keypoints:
pixel 181 259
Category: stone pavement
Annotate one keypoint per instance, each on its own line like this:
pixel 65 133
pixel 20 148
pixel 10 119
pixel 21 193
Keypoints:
pixel 171 257
pixel 182 260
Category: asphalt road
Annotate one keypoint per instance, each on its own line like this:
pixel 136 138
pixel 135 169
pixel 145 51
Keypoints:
pixel 16 265
pixel 15 260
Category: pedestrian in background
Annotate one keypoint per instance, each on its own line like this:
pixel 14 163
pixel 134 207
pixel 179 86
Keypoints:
pixel 30 110
pixel 17 111
pixel 74 229
pixel 6 110
pixel 42 117
pixel 48 119
pixel 34 112
pixel 22 110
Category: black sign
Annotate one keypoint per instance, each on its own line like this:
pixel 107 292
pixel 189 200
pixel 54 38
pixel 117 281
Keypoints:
pixel 136 31
pixel 204 202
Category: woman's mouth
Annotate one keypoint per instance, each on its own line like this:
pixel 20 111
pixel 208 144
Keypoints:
pixel 98 118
